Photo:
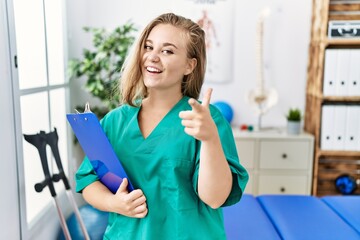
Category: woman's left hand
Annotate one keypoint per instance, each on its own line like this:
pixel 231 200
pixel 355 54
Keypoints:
pixel 198 121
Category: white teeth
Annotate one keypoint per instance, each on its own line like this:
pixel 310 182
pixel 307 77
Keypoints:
pixel 152 69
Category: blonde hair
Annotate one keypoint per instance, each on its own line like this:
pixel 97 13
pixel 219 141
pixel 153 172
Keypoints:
pixel 131 84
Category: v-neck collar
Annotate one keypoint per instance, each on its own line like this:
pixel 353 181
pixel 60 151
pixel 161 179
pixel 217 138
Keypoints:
pixel 155 132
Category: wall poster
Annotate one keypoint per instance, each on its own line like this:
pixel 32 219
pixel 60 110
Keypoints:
pixel 216 17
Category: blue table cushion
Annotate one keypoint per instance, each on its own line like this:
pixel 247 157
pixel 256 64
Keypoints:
pixel 347 207
pixel 305 217
pixel 247 221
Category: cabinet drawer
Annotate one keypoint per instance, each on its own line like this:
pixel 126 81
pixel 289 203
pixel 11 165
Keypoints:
pixel 283 184
pixel 284 155
pixel 246 152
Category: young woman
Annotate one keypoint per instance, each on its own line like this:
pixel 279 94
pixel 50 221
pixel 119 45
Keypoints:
pixel 179 153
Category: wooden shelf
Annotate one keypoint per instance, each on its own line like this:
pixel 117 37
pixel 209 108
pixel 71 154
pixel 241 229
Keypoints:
pixel 328 165
pixel 332 165
pixel 323 153
pixel 355 42
pixel 344 7
pixel 344 11
pixel 341 16
pixel 352 99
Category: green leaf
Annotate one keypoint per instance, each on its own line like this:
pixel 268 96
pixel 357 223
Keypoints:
pixel 102 64
pixel 294 114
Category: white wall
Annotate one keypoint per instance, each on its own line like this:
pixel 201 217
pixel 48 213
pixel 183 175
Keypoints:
pixel 287 36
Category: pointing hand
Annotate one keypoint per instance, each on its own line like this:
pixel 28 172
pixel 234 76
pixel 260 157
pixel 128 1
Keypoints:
pixel 198 121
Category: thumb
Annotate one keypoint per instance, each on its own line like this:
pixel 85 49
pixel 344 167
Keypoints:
pixel 123 186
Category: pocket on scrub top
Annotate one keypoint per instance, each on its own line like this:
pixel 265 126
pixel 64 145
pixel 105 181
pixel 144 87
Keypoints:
pixel 178 184
pixel 120 227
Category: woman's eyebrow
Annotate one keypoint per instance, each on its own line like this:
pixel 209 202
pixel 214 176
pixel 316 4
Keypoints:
pixel 166 44
pixel 169 44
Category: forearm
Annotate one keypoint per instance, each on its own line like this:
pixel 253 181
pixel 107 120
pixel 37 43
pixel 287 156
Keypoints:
pixel 98 196
pixel 215 178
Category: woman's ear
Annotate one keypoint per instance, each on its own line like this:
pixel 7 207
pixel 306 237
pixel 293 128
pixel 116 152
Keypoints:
pixel 190 66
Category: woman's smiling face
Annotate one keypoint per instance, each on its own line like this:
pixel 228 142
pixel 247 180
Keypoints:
pixel 165 60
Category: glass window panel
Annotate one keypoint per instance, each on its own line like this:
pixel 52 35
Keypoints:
pixel 55 37
pixel 33 120
pixel 58 121
pixel 30 43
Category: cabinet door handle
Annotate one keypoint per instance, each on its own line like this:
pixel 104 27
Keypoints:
pixel 284 155
pixel 282 189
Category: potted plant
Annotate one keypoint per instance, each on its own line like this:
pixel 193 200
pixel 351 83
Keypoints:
pixel 101 66
pixel 294 121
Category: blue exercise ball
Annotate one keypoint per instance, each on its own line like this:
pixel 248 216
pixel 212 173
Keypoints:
pixel 346 184
pixel 95 222
pixel 225 109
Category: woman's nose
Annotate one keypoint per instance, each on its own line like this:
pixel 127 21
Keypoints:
pixel 153 57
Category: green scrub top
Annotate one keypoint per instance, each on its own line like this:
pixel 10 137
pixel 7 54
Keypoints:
pixel 165 166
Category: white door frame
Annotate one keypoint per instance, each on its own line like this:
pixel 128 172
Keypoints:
pixel 10 209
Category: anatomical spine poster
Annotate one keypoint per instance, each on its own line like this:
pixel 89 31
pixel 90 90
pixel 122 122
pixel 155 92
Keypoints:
pixel 216 17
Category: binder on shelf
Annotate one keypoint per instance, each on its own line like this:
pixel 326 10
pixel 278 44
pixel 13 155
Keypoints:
pixel 353 88
pixel 342 72
pixel 98 149
pixel 330 72
pixel 327 127
pixel 352 130
pixel 339 127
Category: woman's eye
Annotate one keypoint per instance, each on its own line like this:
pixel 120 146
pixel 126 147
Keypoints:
pixel 168 52
pixel 147 47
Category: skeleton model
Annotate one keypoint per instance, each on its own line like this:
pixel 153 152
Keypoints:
pixel 261 99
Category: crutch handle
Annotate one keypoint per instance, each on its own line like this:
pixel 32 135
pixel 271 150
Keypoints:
pixel 47 182
pixel 40 186
pixel 56 177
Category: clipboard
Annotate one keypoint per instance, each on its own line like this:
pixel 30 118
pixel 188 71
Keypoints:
pixel 98 149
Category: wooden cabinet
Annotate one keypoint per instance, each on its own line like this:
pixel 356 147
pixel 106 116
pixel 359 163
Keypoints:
pixel 277 163
pixel 329 164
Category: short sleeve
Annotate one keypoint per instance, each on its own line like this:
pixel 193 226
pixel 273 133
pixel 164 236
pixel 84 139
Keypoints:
pixel 240 175
pixel 85 175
